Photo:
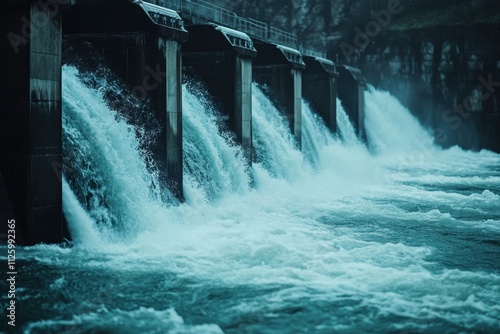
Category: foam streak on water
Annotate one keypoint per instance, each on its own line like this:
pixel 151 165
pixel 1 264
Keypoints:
pixel 340 240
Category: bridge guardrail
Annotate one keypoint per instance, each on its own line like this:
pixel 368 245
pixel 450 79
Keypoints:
pixel 282 37
pixel 253 28
pixel 206 12
pixel 312 53
pixel 199 11
pixel 172 4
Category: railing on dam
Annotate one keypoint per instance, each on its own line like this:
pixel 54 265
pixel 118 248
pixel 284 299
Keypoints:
pixel 200 11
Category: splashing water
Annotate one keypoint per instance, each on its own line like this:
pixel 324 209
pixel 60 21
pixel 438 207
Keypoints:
pixel 81 226
pixel 315 135
pixel 213 164
pixel 103 159
pixel 345 127
pixel 272 140
pixel 390 128
pixel 355 244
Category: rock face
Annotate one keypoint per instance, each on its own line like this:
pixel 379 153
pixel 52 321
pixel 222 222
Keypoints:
pixel 440 58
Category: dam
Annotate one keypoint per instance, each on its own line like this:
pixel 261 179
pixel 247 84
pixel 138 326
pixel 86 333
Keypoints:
pixel 148 46
pixel 173 167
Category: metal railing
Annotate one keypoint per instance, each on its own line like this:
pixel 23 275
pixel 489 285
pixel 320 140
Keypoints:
pixel 200 11
pixel 253 28
pixel 171 4
pixel 282 37
pixel 312 53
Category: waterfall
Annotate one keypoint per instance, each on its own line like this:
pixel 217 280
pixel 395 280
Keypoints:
pixel 345 128
pixel 102 160
pixel 272 140
pixel 315 135
pixel 107 174
pixel 390 127
pixel 81 226
pixel 213 163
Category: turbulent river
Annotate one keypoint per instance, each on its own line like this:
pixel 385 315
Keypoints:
pixel 395 235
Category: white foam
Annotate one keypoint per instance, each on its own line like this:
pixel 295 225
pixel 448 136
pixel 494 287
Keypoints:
pixel 315 135
pixel 213 164
pixel 272 139
pixel 108 155
pixel 81 226
pixel 141 320
pixel 390 127
pixel 345 128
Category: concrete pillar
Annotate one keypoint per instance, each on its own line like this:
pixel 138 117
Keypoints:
pixel 173 136
pixel 351 87
pixel 30 126
pixel 222 58
pixel 319 88
pixel 280 68
pixel 142 46
pixel 243 105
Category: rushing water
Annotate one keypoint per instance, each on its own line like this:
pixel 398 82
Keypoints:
pixel 399 237
pixel 213 165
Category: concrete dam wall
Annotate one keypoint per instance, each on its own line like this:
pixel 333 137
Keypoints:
pixel 147 47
